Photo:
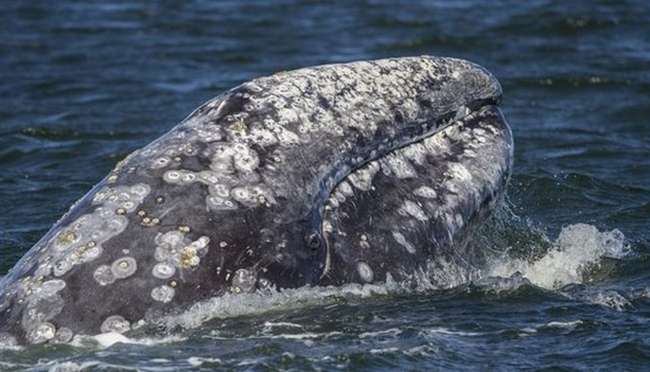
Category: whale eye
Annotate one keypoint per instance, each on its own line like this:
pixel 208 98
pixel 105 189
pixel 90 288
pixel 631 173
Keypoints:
pixel 313 241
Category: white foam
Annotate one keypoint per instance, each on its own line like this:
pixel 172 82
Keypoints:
pixel 611 299
pixel 232 305
pixel 578 249
pixel 70 366
pixel 450 332
pixel 570 325
pixel 388 332
pixel 106 340
pixel 199 361
pixel 281 324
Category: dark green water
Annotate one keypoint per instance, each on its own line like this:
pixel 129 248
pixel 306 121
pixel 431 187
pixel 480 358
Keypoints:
pixel 84 84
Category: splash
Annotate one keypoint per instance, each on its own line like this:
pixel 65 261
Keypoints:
pixel 232 305
pixel 578 250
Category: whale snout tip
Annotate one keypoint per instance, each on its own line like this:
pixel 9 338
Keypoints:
pixel 475 79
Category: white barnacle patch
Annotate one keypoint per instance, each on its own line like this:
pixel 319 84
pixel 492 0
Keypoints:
pixel 201 243
pixel 187 149
pixel 401 240
pixel 43 302
pixel 416 153
pixel 124 267
pixel 216 203
pixel 222 157
pixel 339 197
pixel 163 270
pixel 7 340
pixel 262 136
pixel 65 239
pixel 362 178
pixel 115 323
pixel 43 270
pixel 172 176
pixel 41 333
pixel 188 257
pixel 81 241
pixel 211 134
pixel 252 195
pixel 243 281
pixel 208 177
pixel 63 335
pixel 188 177
pixel 62 266
pixel 363 242
pixel 160 162
pixel 245 158
pixel 163 293
pixel 460 173
pixel 219 190
pixel 180 177
pixel 113 198
pixel 365 272
pixel 425 192
pixel 174 250
pixel 345 188
pixel 286 137
pixel 412 209
pixel 398 166
pixel 50 287
pixel 164 251
pixel 104 275
pixel 172 238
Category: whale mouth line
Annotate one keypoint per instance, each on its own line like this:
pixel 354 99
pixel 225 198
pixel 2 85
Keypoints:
pixel 443 122
pixel 329 182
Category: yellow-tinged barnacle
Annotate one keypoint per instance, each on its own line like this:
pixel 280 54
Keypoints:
pixel 112 178
pixel 120 211
pixel 189 257
pixel 142 213
pixel 184 228
pixel 67 237
pixel 148 221
pixel 238 127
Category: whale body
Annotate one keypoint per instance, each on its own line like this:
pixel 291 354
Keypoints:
pixel 359 172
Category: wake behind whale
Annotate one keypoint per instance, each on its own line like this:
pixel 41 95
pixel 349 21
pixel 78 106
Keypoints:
pixel 350 173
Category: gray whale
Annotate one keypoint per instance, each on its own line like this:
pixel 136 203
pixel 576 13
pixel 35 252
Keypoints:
pixel 356 172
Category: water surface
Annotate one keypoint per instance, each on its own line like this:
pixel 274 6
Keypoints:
pixel 84 84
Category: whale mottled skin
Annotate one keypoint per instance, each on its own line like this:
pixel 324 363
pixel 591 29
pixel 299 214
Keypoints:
pixel 358 172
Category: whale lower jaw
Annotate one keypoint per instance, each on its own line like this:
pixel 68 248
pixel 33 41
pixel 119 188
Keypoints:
pixel 324 175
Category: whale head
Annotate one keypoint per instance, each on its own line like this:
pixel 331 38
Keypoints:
pixel 268 186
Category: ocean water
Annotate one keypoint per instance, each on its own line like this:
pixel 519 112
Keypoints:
pixel 85 83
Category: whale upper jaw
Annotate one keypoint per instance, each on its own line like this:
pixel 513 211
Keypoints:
pixel 236 197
